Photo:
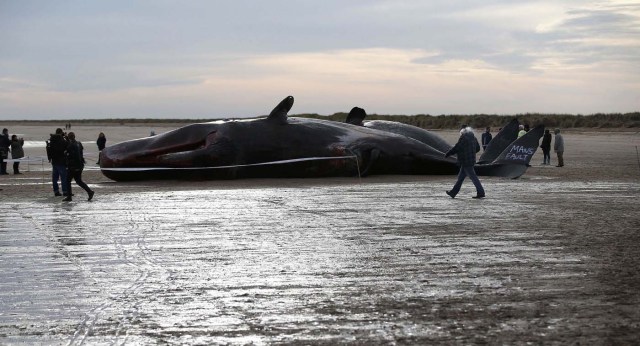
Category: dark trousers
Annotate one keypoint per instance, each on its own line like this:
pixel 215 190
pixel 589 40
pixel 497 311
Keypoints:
pixel 76 174
pixel 4 154
pixel 547 156
pixel 16 166
pixel 560 158
pixel 59 172
pixel 464 172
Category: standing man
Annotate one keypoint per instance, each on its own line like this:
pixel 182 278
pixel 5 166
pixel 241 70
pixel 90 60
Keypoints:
pixel 101 142
pixel 466 150
pixel 486 138
pixel 17 152
pixel 56 147
pixel 558 147
pixel 546 147
pixel 5 142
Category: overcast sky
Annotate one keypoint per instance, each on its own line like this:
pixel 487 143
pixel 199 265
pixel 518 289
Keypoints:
pixel 210 59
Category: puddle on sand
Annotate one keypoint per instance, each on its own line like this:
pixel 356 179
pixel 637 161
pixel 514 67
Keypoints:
pixel 375 263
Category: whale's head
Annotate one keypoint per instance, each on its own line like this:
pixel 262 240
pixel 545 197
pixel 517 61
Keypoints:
pixel 208 144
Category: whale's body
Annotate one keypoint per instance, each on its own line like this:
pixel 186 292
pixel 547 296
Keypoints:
pixel 276 146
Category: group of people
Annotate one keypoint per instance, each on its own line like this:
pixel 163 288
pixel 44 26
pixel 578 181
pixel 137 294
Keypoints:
pixel 66 156
pixel 11 145
pixel 558 145
pixel 467 147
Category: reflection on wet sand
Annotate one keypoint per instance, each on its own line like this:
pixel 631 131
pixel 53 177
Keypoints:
pixel 373 263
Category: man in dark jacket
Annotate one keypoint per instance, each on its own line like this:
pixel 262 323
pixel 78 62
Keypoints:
pixel 486 138
pixel 466 150
pixel 75 165
pixel 5 142
pixel 56 147
pixel 546 147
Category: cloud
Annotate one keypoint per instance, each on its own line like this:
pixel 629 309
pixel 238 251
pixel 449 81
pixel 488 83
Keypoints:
pixel 400 56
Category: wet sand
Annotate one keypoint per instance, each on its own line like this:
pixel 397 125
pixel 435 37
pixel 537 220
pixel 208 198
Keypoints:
pixel 551 257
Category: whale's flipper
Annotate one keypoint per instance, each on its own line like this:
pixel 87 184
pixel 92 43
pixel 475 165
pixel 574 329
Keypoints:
pixel 279 114
pixel 514 160
pixel 356 116
pixel 501 141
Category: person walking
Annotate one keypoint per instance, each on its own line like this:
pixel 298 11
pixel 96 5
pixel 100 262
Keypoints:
pixel 5 143
pixel 546 147
pixel 102 143
pixel 75 165
pixel 466 149
pixel 486 138
pixel 56 146
pixel 16 152
pixel 558 147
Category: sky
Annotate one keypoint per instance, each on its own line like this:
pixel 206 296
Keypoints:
pixel 215 59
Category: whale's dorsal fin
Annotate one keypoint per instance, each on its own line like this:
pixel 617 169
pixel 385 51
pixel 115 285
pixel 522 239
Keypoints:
pixel 356 116
pixel 279 114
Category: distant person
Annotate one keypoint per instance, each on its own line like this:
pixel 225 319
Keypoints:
pixel 526 127
pixel 546 147
pixel 102 143
pixel 16 152
pixel 75 165
pixel 466 149
pixel 5 143
pixel 522 131
pixel 558 147
pixel 486 138
pixel 56 146
pixel 152 133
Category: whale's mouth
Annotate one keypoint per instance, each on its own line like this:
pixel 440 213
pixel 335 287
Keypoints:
pixel 154 152
pixel 182 148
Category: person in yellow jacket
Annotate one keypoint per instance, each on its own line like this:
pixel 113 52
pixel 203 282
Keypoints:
pixel 522 131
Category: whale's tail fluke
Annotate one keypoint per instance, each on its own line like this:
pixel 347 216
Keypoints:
pixel 501 141
pixel 514 160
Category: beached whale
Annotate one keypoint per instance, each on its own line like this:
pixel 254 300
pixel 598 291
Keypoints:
pixel 279 146
pixel 498 144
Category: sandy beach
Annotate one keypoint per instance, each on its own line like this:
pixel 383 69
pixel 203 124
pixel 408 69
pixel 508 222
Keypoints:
pixel 548 258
